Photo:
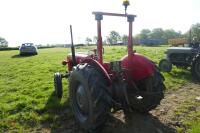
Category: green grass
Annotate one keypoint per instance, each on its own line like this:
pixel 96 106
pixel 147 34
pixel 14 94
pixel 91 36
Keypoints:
pixel 195 127
pixel 26 88
pixel 26 85
pixel 190 109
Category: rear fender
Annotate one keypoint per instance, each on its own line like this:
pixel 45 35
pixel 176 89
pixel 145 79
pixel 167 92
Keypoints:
pixel 100 68
pixel 139 67
pixel 79 57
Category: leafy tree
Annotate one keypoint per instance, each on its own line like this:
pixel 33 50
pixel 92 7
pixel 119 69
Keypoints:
pixel 157 33
pixel 109 40
pixel 104 42
pixel 196 30
pixel 144 34
pixel 170 34
pixel 193 31
pixel 3 42
pixel 125 39
pixel 95 38
pixel 113 37
pixel 88 40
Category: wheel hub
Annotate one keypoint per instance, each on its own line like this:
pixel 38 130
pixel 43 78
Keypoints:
pixel 165 65
pixel 81 99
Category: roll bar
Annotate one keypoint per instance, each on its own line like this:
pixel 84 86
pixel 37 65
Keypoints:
pixel 99 17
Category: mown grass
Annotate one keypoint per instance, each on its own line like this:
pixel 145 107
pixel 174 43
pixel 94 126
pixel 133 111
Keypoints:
pixel 26 88
pixel 26 85
pixel 195 127
pixel 190 109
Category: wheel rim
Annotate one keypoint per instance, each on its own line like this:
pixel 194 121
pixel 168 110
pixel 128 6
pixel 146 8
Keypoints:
pixel 81 103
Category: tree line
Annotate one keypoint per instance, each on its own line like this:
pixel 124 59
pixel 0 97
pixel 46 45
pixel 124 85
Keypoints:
pixel 157 33
pixel 3 42
pixel 113 38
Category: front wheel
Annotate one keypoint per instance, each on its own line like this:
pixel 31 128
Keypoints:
pixel 165 65
pixel 58 85
pixel 87 88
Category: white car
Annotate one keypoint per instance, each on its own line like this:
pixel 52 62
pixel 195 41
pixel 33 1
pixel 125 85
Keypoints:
pixel 27 49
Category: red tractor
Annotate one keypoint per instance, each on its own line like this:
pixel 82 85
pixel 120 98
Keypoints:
pixel 96 87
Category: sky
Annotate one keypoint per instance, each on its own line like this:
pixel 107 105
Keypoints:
pixel 47 21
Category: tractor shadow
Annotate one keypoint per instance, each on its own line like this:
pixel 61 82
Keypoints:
pixel 21 56
pixel 61 120
pixel 59 117
pixel 136 123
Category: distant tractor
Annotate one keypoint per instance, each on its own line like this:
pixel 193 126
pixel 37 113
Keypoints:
pixel 132 83
pixel 183 57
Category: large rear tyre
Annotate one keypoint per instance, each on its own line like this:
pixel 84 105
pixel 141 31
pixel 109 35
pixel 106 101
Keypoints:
pixel 87 89
pixel 196 68
pixel 150 95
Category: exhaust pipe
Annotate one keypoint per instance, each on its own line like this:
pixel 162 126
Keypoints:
pixel 72 48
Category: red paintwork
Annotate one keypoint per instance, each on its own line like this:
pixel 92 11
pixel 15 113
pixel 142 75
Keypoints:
pixel 69 60
pixel 79 57
pixel 101 68
pixel 99 42
pixel 130 43
pixel 106 66
pixel 139 68
pixel 84 58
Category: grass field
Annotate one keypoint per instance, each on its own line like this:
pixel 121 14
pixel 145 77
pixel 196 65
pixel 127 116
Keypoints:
pixel 26 86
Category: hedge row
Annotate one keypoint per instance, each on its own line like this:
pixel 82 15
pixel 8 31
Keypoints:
pixel 9 48
pixel 16 48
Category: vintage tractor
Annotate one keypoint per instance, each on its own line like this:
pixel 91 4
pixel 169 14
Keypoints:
pixel 96 87
pixel 182 57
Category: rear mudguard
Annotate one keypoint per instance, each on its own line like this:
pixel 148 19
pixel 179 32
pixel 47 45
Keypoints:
pixel 139 67
pixel 99 67
pixel 79 57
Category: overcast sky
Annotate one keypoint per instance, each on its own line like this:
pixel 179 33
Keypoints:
pixel 47 21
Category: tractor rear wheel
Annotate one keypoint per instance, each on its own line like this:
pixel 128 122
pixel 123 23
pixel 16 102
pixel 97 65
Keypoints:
pixel 87 88
pixel 196 68
pixel 150 94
